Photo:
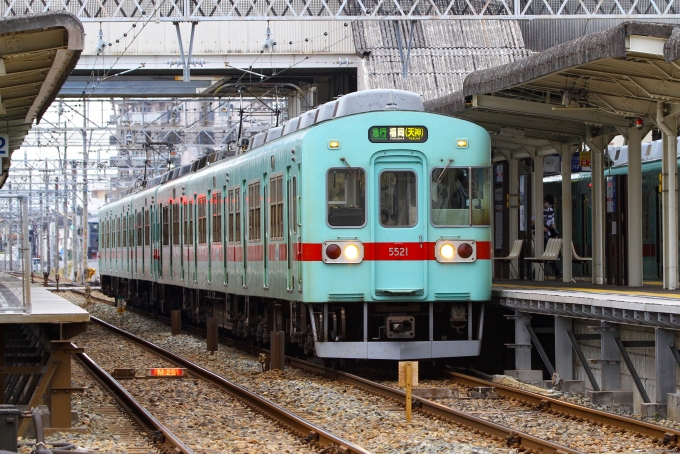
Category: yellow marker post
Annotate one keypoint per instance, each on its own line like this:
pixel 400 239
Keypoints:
pixel 409 385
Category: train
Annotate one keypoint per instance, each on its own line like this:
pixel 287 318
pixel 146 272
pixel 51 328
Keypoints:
pixel 361 229
pixel 617 166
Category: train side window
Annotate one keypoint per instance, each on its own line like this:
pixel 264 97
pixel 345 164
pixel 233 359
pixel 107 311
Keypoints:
pixel 254 215
pixel 276 207
pixel 237 215
pixel 147 227
pixel 292 206
pixel 175 223
pixel 346 197
pixel 217 217
pixel 450 196
pixel 131 231
pixel 191 222
pixel 202 236
pixel 398 198
pixel 480 196
pixel 230 217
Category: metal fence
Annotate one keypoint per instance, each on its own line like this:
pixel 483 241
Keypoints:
pixel 15 254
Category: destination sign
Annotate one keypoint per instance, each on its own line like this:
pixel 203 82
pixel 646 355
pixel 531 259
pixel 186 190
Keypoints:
pixel 397 134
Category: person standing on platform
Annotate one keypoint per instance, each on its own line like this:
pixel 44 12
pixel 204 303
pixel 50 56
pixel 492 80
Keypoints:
pixel 549 230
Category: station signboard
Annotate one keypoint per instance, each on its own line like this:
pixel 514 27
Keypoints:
pixel 4 145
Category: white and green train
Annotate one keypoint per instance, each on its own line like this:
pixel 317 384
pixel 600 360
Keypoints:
pixel 361 229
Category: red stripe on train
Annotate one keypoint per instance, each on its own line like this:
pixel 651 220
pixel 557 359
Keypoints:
pixel 311 252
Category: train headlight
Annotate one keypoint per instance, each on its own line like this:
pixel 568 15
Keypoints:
pixel 455 251
pixel 342 251
pixel 446 251
pixel 351 252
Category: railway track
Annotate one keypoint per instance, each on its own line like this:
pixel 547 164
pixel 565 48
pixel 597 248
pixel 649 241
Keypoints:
pixel 512 438
pixel 292 422
pixel 659 434
pixel 164 440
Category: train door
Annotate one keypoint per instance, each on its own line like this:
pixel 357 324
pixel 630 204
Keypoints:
pixel 195 238
pixel 399 228
pixel 266 231
pixel 224 235
pixel 245 236
pixel 291 222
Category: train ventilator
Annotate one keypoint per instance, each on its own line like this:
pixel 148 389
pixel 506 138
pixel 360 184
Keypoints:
pixel 361 229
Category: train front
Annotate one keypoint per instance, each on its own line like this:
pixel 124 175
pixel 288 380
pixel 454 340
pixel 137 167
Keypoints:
pixel 399 265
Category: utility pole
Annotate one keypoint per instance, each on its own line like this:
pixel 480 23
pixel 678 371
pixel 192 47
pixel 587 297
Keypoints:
pixel 67 273
pixel 48 251
pixel 85 193
pixel 74 217
pixel 56 227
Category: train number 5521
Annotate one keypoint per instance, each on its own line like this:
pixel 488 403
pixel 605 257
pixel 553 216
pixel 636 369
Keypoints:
pixel 397 252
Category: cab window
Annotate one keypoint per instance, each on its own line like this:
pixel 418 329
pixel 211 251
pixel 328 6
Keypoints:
pixel 346 197
pixel 450 196
pixel 480 196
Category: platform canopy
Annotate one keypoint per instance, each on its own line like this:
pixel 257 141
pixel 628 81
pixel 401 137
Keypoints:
pixel 595 84
pixel 37 53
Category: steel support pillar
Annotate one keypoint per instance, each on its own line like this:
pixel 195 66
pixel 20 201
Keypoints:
pixel 597 163
pixel 564 351
pixel 513 206
pixel 634 230
pixel 610 358
pixel 537 213
pixel 664 364
pixel 566 212
pixel 669 198
pixel 522 337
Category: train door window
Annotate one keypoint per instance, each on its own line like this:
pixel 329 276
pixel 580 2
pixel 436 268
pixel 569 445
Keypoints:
pixel 254 214
pixel 165 226
pixel 346 196
pixel 480 196
pixel 147 227
pixel 124 230
pixel 398 198
pixel 292 206
pixel 217 217
pixel 646 215
pixel 190 238
pixel 187 214
pixel 131 231
pixel 237 215
pixel 175 223
pixel 202 223
pixel 139 229
pixel 450 196
pixel 230 218
pixel 276 207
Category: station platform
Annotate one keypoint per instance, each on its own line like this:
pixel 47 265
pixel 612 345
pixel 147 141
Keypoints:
pixel 617 344
pixel 35 350
pixel 650 305
pixel 46 307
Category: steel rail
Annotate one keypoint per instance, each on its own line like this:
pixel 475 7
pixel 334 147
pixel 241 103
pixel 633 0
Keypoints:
pixel 512 437
pixel 293 422
pixel 168 438
pixel 665 435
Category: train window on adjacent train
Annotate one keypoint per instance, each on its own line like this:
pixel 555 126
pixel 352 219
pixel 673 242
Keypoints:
pixel 202 222
pixel 292 205
pixel 217 217
pixel 398 198
pixel 175 223
pixel 131 231
pixel 237 215
pixel 254 215
pixel 450 196
pixel 276 208
pixel 346 197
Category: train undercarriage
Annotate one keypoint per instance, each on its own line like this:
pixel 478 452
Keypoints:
pixel 381 330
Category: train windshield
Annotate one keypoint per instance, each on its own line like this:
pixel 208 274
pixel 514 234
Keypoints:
pixel 460 196
pixel 346 196
pixel 398 199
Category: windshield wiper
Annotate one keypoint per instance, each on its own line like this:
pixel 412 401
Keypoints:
pixel 441 175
